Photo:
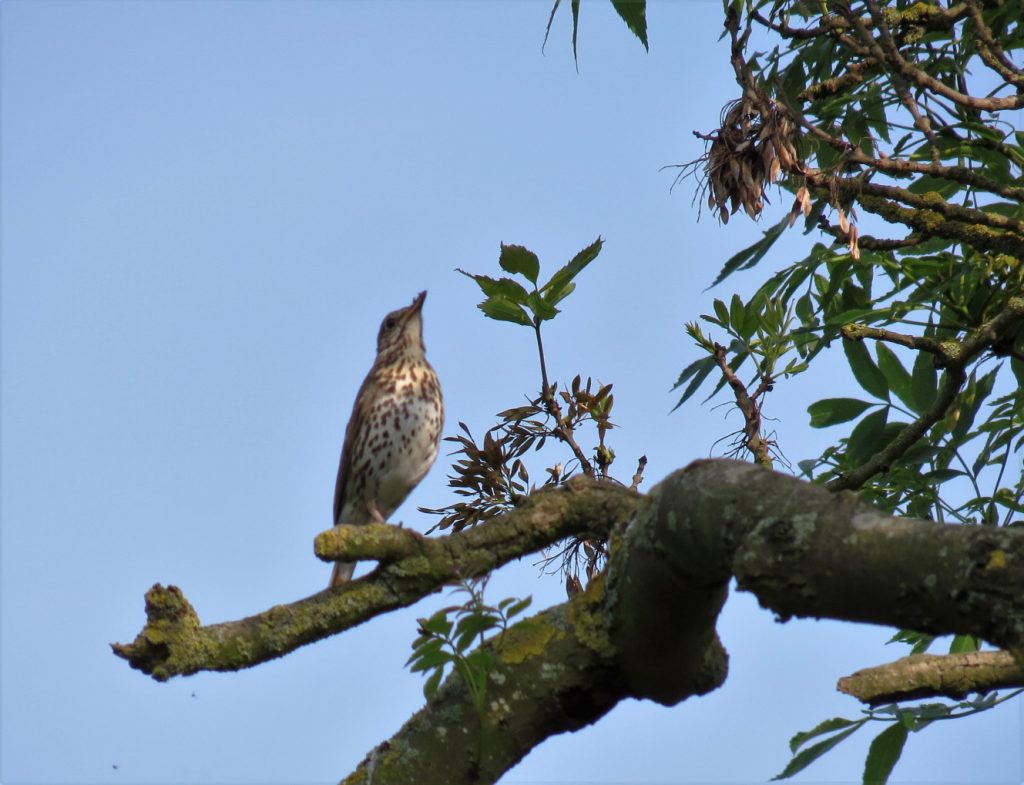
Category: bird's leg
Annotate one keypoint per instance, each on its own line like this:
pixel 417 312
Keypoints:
pixel 377 517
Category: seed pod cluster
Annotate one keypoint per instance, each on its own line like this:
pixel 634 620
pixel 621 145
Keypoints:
pixel 750 151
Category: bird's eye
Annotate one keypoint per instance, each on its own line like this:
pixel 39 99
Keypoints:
pixel 390 322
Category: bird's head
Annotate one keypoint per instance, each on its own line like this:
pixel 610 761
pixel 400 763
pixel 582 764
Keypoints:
pixel 401 332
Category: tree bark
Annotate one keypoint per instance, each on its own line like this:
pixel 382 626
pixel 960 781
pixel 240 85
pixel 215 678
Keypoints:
pixel 646 627
pixel 927 675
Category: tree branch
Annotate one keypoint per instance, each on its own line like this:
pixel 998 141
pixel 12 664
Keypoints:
pixel 927 675
pixel 561 430
pixel 957 355
pixel 858 332
pixel 748 406
pixel 646 628
pixel 928 213
pixel 175 643
pixel 930 202
pixel 892 55
pixel 990 49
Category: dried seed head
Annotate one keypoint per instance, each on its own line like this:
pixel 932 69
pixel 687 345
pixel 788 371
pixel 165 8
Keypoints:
pixel 750 151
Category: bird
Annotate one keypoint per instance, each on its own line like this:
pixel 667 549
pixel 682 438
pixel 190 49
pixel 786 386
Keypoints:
pixel 394 432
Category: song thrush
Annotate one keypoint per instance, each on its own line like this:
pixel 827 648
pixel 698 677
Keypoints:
pixel 394 431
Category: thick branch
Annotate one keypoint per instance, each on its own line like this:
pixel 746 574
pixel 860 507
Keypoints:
pixel 647 628
pixel 928 676
pixel 554 672
pixel 959 174
pixel 933 223
pixel 174 643
pixel 807 552
pixel 928 202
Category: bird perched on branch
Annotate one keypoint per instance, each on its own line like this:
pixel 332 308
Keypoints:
pixel 394 432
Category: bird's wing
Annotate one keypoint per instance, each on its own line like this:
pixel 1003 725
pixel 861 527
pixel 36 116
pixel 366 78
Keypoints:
pixel 345 462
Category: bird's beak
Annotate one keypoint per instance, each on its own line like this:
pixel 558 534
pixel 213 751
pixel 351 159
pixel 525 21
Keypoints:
pixel 417 303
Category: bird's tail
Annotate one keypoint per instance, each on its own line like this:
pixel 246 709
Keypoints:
pixel 342 573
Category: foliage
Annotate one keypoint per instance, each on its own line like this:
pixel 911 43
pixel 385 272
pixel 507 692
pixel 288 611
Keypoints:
pixel 632 12
pixel 890 126
pixel 887 746
pixel 453 636
pixel 492 475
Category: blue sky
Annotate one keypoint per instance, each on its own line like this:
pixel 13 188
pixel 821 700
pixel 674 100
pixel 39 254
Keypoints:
pixel 206 210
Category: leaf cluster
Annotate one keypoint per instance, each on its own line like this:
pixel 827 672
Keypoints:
pixel 453 637
pixel 508 300
pixel 887 747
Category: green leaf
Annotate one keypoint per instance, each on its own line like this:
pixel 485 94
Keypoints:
pixel 1017 366
pixel 806 757
pixel 633 13
pixel 722 312
pixel 926 183
pixel 753 254
pixel 541 308
pixel 575 5
pixel 517 259
pixel 424 647
pixel 864 369
pixel 970 402
pixel 431 684
pixel 964 643
pixel 699 370
pixel 895 374
pixel 437 624
pixel 924 383
pixel 866 439
pixel 832 411
pixel 560 284
pixel 874 111
pixel 885 750
pixel 431 658
pixel 827 726
pixel 738 317
pixel 805 308
pixel 504 310
pixel 919 641
pixel 470 627
pixel 504 287
pixel 518 607
pixel 551 18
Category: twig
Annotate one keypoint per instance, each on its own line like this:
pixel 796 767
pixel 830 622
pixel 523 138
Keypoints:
pixel 638 477
pixel 868 242
pixel 857 332
pixel 899 82
pixel 990 49
pixel 560 430
pixel 921 79
pixel 747 404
